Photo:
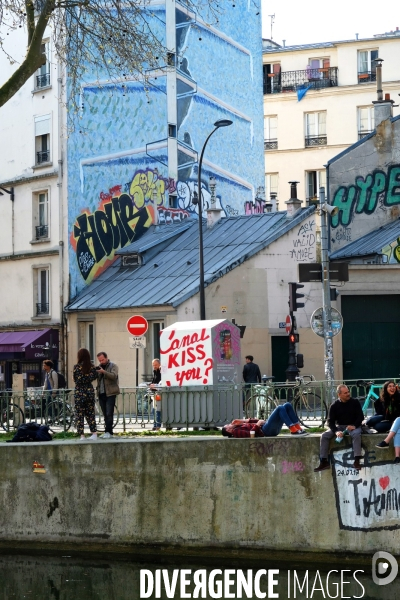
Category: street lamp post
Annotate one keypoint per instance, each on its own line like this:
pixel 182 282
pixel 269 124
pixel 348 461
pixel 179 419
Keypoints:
pixel 217 125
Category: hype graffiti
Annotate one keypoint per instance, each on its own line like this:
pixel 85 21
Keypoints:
pixel 186 358
pixel 367 500
pixel 365 194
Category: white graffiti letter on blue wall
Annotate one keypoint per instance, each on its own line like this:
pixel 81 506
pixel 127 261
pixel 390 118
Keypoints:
pixel 363 196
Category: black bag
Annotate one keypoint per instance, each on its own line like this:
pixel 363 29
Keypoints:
pixel 62 384
pixel 32 432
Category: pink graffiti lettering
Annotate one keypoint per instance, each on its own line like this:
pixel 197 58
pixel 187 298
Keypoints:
pixel 292 467
pixel 187 340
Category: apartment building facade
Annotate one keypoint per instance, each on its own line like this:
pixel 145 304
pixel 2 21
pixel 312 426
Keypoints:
pixel 317 102
pixel 33 266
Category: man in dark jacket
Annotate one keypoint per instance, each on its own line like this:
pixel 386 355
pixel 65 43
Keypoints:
pixel 251 375
pixel 107 390
pixel 251 371
pixel 344 414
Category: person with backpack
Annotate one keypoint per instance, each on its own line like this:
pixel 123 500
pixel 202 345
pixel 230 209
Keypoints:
pixel 50 378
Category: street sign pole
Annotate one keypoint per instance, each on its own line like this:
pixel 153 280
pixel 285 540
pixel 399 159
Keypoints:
pixel 326 300
pixel 137 367
pixel 137 326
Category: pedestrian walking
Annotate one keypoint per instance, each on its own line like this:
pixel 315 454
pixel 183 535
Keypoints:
pixel 83 374
pixel 107 391
pixel 251 375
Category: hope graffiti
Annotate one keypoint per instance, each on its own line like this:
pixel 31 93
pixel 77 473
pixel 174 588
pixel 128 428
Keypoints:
pixel 96 236
pixel 124 216
pixel 366 194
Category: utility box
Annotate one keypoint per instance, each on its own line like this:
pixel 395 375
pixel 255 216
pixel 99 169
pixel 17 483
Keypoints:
pixel 200 373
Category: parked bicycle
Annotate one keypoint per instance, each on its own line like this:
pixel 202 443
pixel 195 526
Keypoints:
pixel 373 394
pixel 11 414
pixel 310 408
pixel 308 405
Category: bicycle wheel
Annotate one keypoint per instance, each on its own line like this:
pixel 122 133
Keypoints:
pixel 11 417
pixel 59 414
pixel 310 409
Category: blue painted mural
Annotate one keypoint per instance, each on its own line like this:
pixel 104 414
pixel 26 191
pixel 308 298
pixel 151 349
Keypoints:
pixel 117 154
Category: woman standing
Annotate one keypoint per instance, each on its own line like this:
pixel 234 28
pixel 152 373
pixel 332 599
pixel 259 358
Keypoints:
pixel 84 373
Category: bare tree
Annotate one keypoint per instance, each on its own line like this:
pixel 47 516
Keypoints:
pixel 103 40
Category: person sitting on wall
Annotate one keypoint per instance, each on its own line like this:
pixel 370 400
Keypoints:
pixel 387 408
pixel 393 433
pixel 282 415
pixel 344 414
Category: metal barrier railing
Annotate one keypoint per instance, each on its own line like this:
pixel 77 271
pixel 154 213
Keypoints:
pixel 200 406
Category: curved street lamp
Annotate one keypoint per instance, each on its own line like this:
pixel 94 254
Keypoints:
pixel 217 125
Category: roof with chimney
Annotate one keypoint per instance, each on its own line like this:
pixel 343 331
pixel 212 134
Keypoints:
pixel 167 270
pixel 358 143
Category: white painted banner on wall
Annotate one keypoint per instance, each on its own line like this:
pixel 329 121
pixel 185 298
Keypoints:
pixel 368 499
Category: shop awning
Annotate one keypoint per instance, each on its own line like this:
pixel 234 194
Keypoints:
pixel 31 343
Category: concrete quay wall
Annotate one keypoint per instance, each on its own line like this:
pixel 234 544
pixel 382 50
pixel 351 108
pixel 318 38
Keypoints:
pixel 210 494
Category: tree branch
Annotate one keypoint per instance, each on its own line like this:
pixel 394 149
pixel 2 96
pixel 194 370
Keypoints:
pixel 33 59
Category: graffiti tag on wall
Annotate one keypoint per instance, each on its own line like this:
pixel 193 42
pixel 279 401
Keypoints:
pixel 376 189
pixel 123 216
pixel 369 499
pixel 392 251
pixel 96 236
pixel 254 208
pixel 304 243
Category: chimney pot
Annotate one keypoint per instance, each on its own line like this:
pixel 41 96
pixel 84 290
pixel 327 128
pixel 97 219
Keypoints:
pixel 387 97
pixel 293 204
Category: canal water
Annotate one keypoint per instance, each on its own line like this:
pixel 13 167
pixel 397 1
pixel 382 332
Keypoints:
pixel 69 577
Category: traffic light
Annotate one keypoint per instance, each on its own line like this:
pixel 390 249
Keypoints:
pixel 334 294
pixel 294 296
pixel 294 338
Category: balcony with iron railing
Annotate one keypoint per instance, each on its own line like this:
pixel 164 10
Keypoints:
pixel 42 80
pixel 315 140
pixel 367 77
pixel 291 81
pixel 42 231
pixel 271 144
pixel 42 157
pixel 42 308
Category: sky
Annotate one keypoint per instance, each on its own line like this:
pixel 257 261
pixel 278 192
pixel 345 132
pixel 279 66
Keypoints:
pixel 310 21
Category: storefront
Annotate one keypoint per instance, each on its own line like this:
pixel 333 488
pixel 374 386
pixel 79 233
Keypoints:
pixel 24 352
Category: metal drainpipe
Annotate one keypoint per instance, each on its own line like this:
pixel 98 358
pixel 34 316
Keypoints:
pixel 62 351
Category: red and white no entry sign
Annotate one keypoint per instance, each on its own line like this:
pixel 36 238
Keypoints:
pixel 137 325
pixel 288 326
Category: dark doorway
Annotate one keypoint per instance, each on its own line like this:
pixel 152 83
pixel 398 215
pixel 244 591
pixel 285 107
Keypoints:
pixel 371 333
pixel 280 356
